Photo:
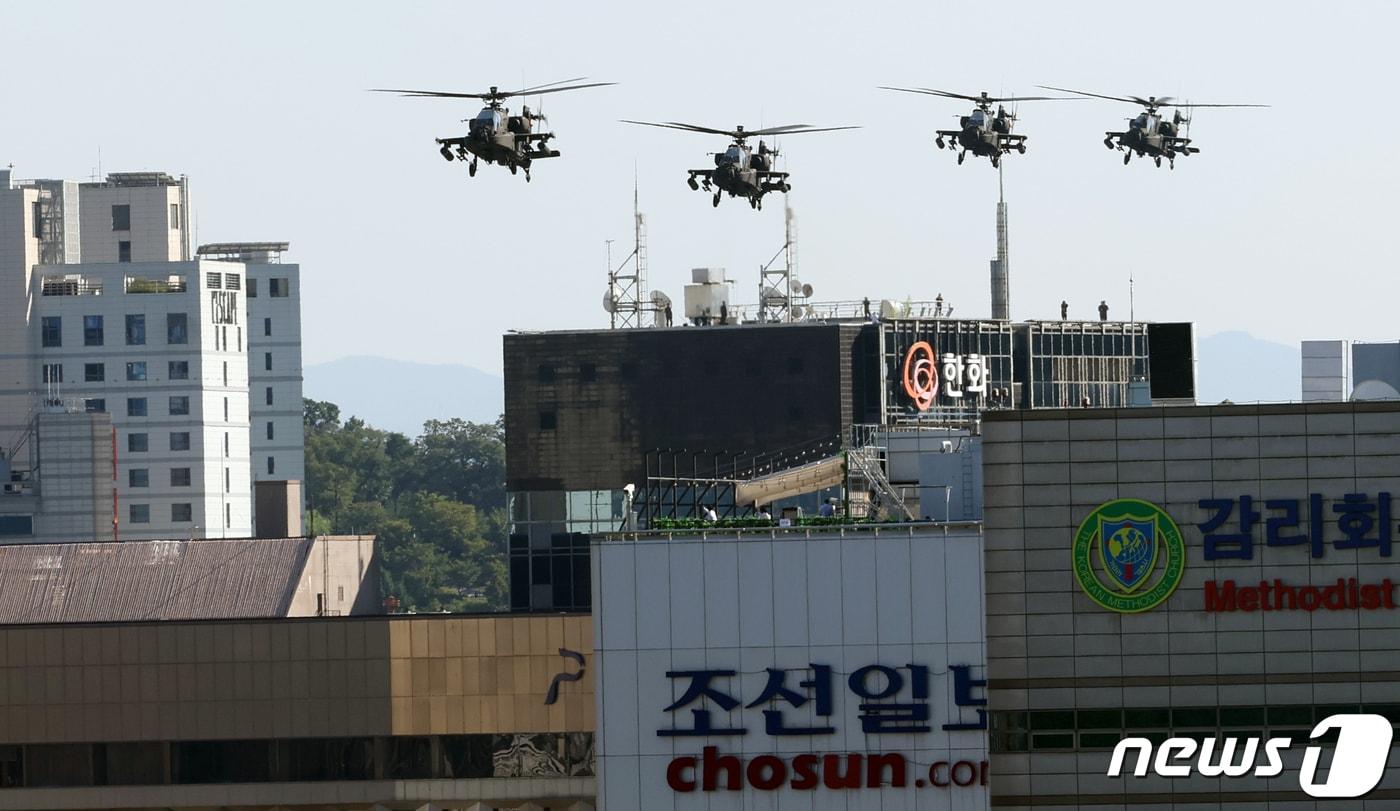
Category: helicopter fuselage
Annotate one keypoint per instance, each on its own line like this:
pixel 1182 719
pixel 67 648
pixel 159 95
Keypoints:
pixel 496 136
pixel 741 173
pixel 1148 135
pixel 984 135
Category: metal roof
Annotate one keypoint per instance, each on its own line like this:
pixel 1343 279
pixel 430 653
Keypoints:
pixel 149 580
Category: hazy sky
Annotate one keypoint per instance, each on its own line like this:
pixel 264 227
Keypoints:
pixel 1282 226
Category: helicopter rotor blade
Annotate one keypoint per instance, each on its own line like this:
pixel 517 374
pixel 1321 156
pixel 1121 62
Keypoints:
pixel 425 94
pixel 797 129
pixel 1129 99
pixel 1191 106
pixel 676 125
pixel 534 91
pixel 542 86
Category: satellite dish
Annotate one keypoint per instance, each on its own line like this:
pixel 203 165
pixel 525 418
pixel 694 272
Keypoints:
pixel 660 300
pixel 609 303
pixel 807 291
pixel 797 311
pixel 795 285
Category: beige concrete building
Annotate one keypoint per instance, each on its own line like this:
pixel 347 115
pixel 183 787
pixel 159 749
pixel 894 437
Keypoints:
pixel 327 713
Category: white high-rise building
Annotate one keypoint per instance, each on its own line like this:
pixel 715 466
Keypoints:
pixel 197 359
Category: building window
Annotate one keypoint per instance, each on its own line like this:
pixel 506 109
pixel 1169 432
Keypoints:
pixel 179 477
pixel 267 326
pixel 269 429
pixel 549 420
pixel 269 395
pixel 271 466
pixel 177 328
pixel 124 251
pixel 53 373
pixel 94 372
pixel 214 281
pixel 179 440
pixel 52 330
pixel 228 516
pixel 138 443
pixel 179 370
pixel 37 214
pixel 228 481
pixel 225 444
pixel 232 281
pixel 140 513
pixel 252 288
pixel 179 406
pixel 267 361
pixel 136 406
pixel 121 218
pixel 138 477
pixel 225 373
pixel 240 340
pixel 175 216
pixel 136 370
pixel 136 330
pixel 92 330
pixel 277 288
pixel 181 513
pixel 225 409
pixel 95 404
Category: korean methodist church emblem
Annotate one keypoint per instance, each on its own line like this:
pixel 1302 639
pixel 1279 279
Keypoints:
pixel 1128 555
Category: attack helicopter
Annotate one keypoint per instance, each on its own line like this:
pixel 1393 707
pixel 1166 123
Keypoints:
pixel 984 134
pixel 740 170
pixel 495 135
pixel 1150 134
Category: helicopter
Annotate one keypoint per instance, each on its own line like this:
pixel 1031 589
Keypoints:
pixel 1150 134
pixel 494 134
pixel 982 133
pixel 740 170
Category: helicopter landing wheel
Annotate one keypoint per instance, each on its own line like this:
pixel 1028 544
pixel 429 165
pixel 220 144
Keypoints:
pixel 715 200
pixel 961 156
pixel 1171 164
pixel 527 175
pixel 471 169
pixel 1127 156
pixel 996 161
pixel 1158 161
pixel 514 168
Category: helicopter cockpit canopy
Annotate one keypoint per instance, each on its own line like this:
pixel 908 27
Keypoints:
pixel 733 155
pixel 1139 123
pixel 977 119
pixel 488 121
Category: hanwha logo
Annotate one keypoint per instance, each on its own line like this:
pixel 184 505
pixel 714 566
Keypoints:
pixel 921 375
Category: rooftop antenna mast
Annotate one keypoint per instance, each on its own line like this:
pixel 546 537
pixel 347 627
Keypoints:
pixel 780 291
pixel 1001 266
pixel 626 300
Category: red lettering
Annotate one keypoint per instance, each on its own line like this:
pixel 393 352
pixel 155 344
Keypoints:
pixel 1249 599
pixel 875 765
pixel 1334 597
pixel 766 772
pixel 675 774
pixel 832 779
pixel 971 773
pixel 933 774
pixel 1370 597
pixel 983 771
pixel 1309 598
pixel 1387 593
pixel 1221 597
pixel 805 769
pixel 712 763
pixel 1280 592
